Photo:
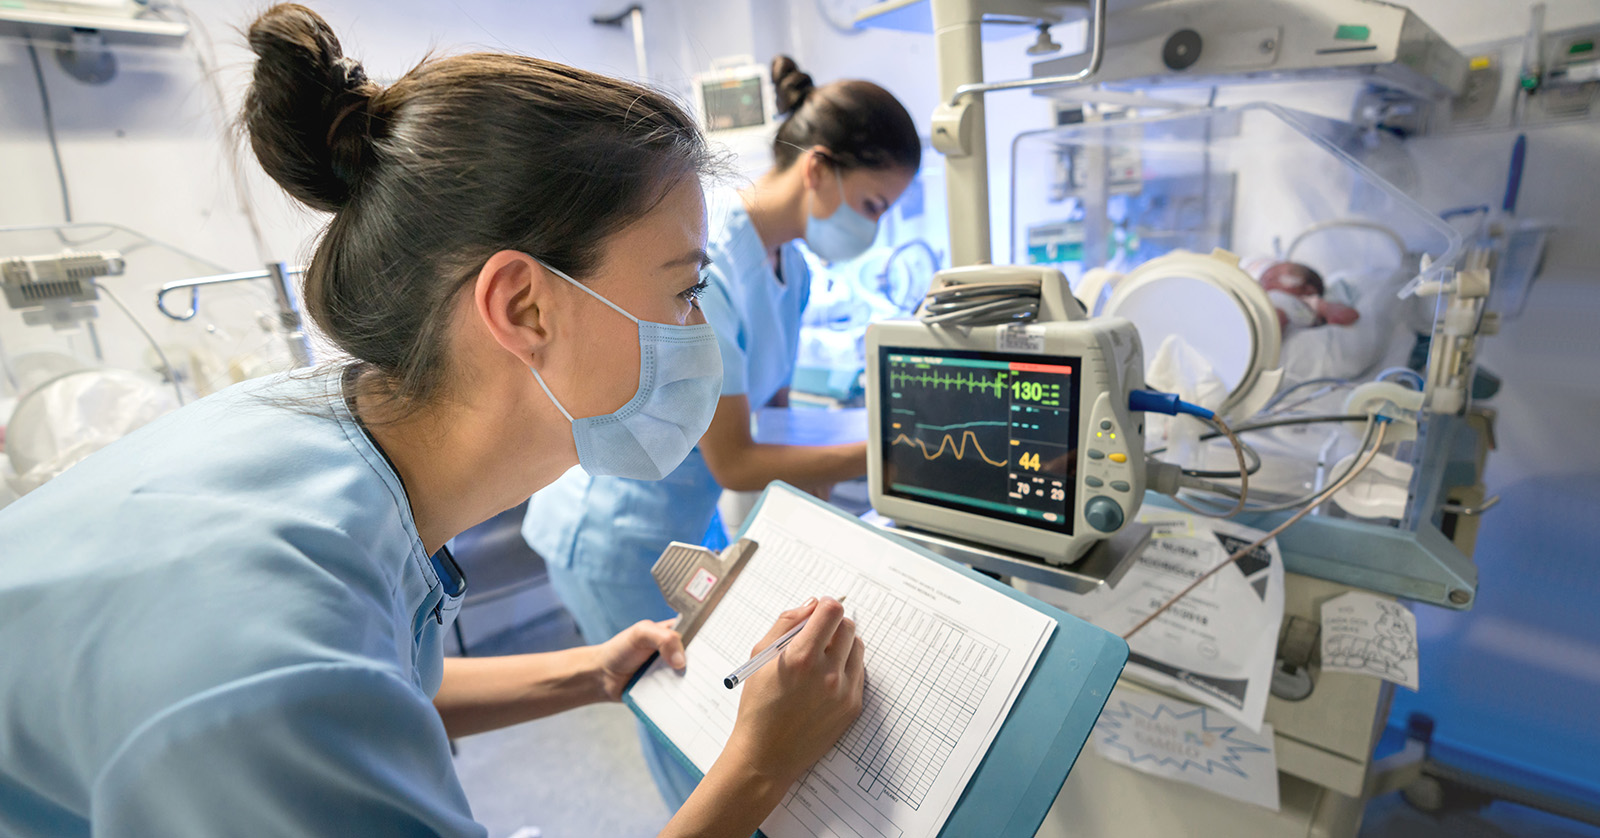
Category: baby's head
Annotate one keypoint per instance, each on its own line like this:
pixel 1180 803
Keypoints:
pixel 1293 278
pixel 1296 292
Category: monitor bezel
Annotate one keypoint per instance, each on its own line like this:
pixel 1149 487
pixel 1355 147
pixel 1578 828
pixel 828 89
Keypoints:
pixel 1068 523
pixel 1051 339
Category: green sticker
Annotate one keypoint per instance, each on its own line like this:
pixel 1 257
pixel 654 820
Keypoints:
pixel 1580 48
pixel 1352 32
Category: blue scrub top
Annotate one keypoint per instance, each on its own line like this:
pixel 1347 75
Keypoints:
pixel 754 310
pixel 226 624
pixel 612 528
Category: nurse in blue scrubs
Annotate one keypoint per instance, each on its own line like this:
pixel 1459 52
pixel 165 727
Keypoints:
pixel 230 622
pixel 842 156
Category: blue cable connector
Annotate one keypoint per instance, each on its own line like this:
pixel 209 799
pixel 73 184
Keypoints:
pixel 1152 401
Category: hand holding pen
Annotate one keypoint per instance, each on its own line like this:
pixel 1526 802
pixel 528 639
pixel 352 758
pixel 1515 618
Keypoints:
pixel 794 708
pixel 766 655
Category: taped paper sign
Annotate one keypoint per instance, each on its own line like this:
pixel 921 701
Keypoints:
pixel 1216 645
pixel 1370 635
pixel 1189 743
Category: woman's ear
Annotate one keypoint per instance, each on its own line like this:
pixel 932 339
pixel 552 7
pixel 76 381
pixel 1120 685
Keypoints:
pixel 512 296
pixel 816 167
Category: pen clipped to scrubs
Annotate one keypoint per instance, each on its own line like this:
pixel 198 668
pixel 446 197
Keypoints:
pixel 765 656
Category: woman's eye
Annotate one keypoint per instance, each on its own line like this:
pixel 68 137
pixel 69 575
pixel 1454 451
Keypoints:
pixel 692 294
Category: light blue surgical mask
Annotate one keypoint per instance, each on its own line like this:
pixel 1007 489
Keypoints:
pixel 680 379
pixel 842 236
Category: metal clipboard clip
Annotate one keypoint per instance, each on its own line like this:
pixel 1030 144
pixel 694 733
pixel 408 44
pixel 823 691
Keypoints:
pixel 693 579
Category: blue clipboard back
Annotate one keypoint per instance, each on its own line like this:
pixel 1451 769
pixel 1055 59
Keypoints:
pixel 1040 739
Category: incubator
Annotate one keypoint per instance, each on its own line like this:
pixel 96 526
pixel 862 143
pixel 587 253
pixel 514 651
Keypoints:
pixel 1276 279
pixel 86 355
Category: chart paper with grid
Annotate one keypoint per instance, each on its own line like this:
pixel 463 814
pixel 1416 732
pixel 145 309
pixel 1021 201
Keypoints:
pixel 945 659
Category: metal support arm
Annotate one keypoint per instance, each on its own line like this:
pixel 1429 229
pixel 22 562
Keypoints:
pixel 282 277
pixel 1097 45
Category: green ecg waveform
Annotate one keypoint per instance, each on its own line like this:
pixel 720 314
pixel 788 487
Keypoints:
pixel 995 386
pixel 959 425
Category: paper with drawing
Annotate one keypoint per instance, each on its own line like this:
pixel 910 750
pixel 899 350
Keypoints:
pixel 1370 635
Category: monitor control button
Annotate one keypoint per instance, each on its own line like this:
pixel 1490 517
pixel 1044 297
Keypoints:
pixel 1102 513
pixel 1120 485
pixel 1105 424
pixel 1096 454
pixel 1093 482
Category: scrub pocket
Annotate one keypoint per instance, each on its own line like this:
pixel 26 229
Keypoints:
pixel 432 621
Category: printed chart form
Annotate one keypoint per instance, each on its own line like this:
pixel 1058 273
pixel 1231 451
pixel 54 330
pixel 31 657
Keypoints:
pixel 945 659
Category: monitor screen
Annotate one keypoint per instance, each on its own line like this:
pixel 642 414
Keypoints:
pixel 733 103
pixel 988 433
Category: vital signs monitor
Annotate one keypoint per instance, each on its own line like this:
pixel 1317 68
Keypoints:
pixel 1014 435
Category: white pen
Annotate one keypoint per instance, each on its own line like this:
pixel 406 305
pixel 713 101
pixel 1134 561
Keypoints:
pixel 764 656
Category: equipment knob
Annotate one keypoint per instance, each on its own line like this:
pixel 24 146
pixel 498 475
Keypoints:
pixel 1181 50
pixel 1103 513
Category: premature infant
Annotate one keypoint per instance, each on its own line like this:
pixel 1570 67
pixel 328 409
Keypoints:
pixel 1296 291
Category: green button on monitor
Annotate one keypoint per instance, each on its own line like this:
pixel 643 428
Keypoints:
pixel 1352 32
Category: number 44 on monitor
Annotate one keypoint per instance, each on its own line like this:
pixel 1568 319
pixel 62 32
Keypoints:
pixel 1000 416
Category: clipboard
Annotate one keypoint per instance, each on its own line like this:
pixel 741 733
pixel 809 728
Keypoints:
pixel 1017 781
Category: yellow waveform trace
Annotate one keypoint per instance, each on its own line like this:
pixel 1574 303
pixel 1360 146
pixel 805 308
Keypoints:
pixel 957 448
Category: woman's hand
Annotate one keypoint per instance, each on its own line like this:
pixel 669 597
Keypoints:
pixel 617 659
pixel 796 707
pixel 791 713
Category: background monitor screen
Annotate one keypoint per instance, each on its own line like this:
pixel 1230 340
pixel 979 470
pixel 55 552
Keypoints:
pixel 988 433
pixel 733 103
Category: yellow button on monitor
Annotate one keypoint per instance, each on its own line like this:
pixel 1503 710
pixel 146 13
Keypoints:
pixel 1118 458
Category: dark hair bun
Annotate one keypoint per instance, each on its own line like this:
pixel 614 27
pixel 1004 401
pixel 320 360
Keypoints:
pixel 791 85
pixel 309 107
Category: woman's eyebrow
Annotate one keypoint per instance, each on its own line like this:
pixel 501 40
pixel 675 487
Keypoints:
pixel 697 256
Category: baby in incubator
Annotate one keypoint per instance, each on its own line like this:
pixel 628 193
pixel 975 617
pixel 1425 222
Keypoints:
pixel 1303 299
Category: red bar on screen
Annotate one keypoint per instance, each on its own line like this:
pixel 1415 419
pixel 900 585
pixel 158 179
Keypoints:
pixel 1049 368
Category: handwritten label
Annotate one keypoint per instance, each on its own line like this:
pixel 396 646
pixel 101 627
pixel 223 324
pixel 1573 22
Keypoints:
pixel 1189 743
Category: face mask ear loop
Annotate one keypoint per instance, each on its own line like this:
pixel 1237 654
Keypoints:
pixel 553 400
pixel 833 167
pixel 838 178
pixel 590 291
